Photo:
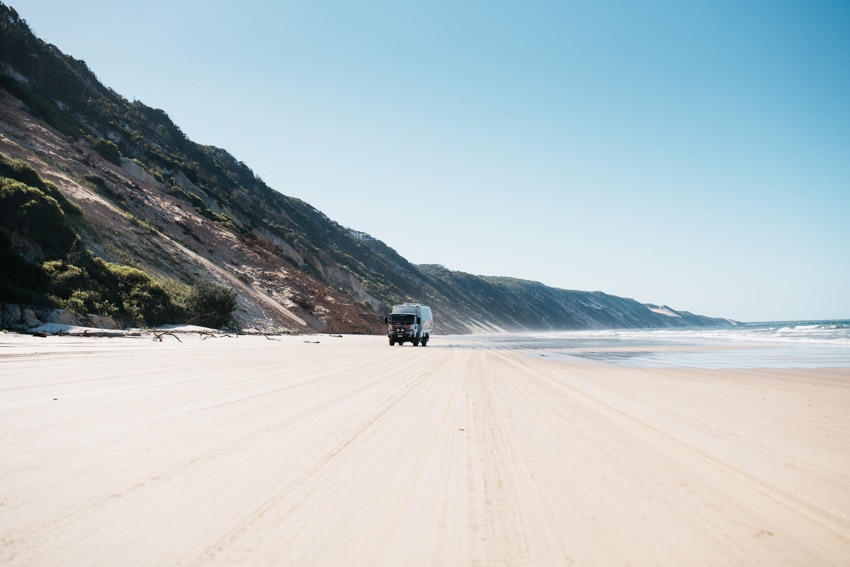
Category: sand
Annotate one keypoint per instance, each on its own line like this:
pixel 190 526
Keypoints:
pixel 344 451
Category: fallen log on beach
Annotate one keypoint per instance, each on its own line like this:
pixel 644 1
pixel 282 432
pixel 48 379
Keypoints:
pixel 158 336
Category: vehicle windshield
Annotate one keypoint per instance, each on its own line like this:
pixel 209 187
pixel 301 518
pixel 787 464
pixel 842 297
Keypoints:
pixel 401 319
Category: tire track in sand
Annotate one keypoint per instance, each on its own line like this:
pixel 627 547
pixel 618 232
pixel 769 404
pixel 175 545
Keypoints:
pixel 290 496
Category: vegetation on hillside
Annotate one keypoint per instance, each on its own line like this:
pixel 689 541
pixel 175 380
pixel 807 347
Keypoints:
pixel 43 263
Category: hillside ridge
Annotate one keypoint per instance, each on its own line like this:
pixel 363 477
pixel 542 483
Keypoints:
pixel 150 198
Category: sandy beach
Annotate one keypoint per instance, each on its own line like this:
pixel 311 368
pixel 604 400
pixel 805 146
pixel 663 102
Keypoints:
pixel 324 450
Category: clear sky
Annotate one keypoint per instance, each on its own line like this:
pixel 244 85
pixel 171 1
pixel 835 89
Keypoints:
pixel 690 153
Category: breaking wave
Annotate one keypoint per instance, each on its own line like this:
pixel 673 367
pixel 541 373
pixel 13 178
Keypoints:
pixel 814 332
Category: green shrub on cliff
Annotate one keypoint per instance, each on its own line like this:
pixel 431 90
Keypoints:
pixel 21 171
pixel 105 288
pixel 107 149
pixel 211 305
pixel 28 214
pixel 22 282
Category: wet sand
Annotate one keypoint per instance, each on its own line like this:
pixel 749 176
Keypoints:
pixel 344 451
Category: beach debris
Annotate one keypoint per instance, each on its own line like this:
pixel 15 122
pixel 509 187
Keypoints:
pixel 206 335
pixel 312 342
pixel 98 333
pixel 158 336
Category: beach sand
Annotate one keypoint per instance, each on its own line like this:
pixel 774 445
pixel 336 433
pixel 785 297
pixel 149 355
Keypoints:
pixel 344 451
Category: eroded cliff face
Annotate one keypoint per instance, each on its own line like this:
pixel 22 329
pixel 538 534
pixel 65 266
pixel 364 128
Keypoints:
pixel 131 218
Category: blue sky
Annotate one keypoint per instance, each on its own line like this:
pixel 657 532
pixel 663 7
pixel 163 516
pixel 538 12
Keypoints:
pixel 695 154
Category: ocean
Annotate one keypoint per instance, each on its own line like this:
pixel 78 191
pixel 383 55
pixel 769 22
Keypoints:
pixel 782 344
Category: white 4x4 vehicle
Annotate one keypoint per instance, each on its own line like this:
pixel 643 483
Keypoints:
pixel 409 322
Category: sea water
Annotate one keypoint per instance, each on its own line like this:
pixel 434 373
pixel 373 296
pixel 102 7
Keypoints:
pixel 785 344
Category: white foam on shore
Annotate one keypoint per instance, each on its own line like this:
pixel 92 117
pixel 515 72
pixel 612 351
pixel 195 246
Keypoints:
pixel 806 345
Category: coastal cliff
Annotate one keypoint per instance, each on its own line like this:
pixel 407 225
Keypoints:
pixel 129 192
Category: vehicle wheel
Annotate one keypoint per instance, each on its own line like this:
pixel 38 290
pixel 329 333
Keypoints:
pixel 392 342
pixel 425 341
pixel 415 342
pixel 400 343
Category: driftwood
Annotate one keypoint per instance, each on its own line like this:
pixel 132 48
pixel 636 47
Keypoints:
pixel 109 334
pixel 158 336
pixel 85 333
pixel 205 336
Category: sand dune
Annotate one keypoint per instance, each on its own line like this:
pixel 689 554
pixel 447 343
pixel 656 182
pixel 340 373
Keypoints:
pixel 251 451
